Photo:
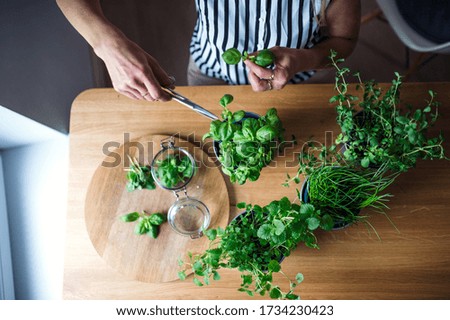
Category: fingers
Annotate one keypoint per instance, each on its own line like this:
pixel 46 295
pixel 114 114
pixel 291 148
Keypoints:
pixel 262 79
pixel 141 79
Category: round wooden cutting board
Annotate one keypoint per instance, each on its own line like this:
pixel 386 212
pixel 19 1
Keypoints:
pixel 139 256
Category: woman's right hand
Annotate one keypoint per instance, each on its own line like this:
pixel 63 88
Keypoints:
pixel 134 73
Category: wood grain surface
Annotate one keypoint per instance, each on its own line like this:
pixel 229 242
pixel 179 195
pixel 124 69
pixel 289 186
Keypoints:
pixel 411 263
pixel 141 257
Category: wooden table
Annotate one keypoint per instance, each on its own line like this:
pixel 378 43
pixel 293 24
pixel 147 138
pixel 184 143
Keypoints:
pixel 351 264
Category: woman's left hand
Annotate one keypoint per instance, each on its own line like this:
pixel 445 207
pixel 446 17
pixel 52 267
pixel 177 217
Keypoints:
pixel 285 67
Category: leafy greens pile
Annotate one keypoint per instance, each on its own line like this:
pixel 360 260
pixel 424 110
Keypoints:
pixel 173 170
pixel 246 145
pixel 139 177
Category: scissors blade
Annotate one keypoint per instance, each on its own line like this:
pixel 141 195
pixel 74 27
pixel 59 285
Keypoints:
pixel 191 105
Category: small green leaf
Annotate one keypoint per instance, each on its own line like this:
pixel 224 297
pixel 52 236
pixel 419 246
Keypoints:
pixel 198 282
pixel 226 100
pixel 238 115
pixel 211 234
pixel 157 219
pixel 231 56
pixel 198 266
pixel 299 277
pixel 265 58
pixel 182 275
pixel 130 217
pixel 365 162
pixel 153 231
pixel 141 227
pixel 216 275
pixel 274 266
pixel 291 296
pixel 307 208
pixel 264 232
pixel 241 205
pixel 327 222
pixel 402 120
pixel 313 223
pixel 279 226
pixel 247 279
pixel 275 293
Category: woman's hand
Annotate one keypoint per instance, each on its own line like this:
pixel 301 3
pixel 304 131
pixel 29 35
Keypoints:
pixel 286 66
pixel 134 73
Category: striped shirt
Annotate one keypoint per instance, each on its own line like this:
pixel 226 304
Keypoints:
pixel 251 25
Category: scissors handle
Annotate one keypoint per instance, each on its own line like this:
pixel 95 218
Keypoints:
pixel 191 105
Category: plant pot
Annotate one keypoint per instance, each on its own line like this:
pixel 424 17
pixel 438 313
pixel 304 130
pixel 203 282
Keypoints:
pixel 338 224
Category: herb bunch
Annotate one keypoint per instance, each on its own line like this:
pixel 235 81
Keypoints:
pixel 173 170
pixel 383 134
pixel 246 145
pixel 139 177
pixel 339 189
pixel 255 243
pixel 263 58
pixel 146 223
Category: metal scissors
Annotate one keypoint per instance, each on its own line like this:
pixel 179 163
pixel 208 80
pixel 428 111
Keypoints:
pixel 191 105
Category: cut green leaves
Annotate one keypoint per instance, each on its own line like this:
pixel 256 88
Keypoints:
pixel 175 169
pixel 139 177
pixel 146 223
pixel 263 58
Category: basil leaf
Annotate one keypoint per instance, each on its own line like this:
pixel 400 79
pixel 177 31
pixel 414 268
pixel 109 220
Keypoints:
pixel 130 217
pixel 231 56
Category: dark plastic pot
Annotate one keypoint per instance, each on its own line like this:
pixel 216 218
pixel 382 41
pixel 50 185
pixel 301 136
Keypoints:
pixel 338 224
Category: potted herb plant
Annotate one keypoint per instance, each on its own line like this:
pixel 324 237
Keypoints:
pixel 338 189
pixel 245 144
pixel 376 131
pixel 255 243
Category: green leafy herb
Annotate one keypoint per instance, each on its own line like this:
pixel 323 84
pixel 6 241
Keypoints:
pixel 139 177
pixel 246 145
pixel 264 58
pixel 173 170
pixel 376 131
pixel 255 243
pixel 146 223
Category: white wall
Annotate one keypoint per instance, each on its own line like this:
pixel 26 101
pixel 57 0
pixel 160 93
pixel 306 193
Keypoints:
pixel 35 172
pixel 6 274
